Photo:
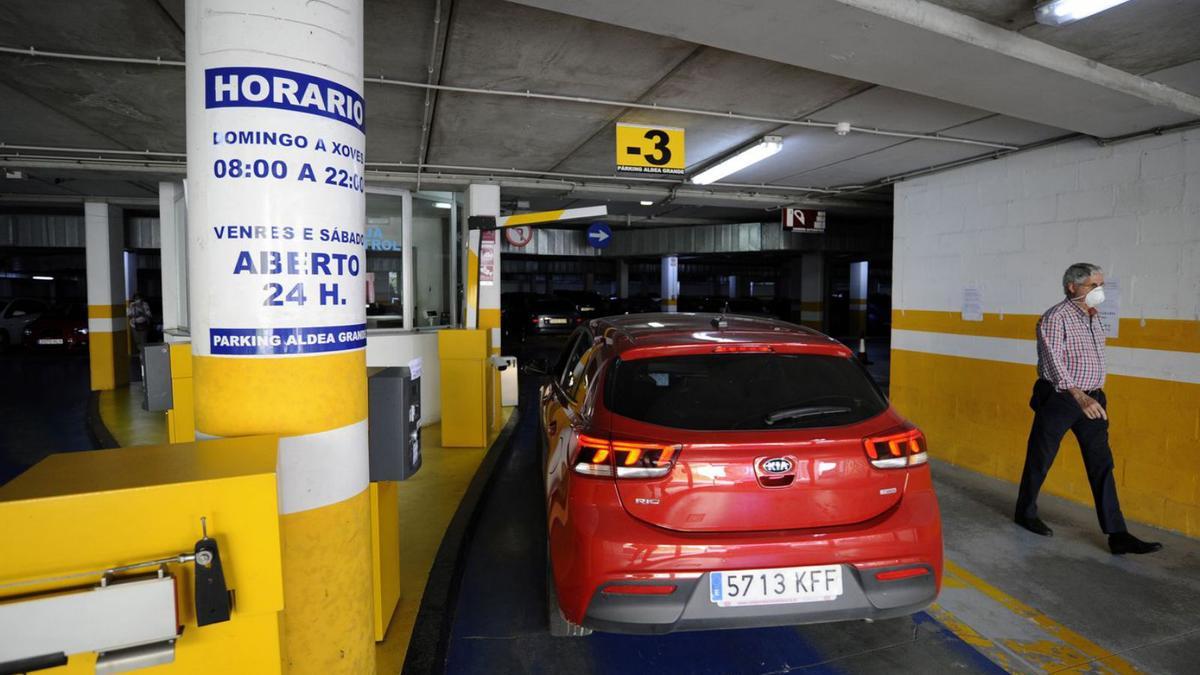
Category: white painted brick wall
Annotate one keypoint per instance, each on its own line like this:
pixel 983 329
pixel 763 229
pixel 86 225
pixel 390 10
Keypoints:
pixel 1011 226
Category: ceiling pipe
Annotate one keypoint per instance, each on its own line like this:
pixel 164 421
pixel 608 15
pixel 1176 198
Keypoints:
pixel 569 99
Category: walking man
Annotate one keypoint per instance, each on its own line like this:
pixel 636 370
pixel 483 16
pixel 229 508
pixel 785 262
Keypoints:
pixel 139 320
pixel 1068 395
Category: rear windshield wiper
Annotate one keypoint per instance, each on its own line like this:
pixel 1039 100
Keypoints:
pixel 805 411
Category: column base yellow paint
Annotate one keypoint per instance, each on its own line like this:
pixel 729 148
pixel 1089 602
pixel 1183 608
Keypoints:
pixel 108 360
pixel 385 552
pixel 328 619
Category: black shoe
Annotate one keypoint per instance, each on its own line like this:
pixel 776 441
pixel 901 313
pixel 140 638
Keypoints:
pixel 1123 542
pixel 1035 525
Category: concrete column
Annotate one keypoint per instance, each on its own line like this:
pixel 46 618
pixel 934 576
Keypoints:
pixel 452 247
pixel 408 280
pixel 622 278
pixel 858 298
pixel 812 290
pixel 172 224
pixel 108 334
pixel 277 292
pixel 484 200
pixel 670 283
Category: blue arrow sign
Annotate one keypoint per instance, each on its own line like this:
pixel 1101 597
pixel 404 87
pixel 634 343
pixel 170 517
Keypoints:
pixel 599 234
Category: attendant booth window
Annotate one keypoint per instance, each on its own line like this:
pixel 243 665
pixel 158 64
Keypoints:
pixel 436 252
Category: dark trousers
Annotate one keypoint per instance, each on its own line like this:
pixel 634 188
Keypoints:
pixel 1054 413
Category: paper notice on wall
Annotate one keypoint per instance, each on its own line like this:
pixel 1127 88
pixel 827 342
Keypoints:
pixel 487 258
pixel 972 304
pixel 414 368
pixel 1110 309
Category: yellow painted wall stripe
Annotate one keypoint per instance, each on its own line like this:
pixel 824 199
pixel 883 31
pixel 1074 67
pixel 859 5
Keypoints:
pixel 288 396
pixel 106 311
pixel 1164 334
pixel 975 414
pixel 1052 657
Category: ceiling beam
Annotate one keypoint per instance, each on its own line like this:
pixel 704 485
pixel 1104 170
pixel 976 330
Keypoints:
pixel 945 54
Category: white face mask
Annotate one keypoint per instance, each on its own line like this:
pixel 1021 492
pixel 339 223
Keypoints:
pixel 1095 297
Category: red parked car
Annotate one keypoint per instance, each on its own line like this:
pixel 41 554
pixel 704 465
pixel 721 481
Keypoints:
pixel 708 472
pixel 63 326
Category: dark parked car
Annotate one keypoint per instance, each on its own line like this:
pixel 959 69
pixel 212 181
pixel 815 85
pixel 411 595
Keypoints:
pixel 552 316
pixel 63 326
pixel 589 304
pixel 637 304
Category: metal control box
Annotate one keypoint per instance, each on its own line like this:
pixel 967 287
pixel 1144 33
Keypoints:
pixel 394 423
pixel 156 378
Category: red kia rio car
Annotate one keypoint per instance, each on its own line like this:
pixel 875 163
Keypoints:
pixel 706 472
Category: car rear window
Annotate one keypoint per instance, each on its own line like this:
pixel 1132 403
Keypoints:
pixel 743 391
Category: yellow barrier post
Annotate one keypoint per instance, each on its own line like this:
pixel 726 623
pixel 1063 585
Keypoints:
pixel 465 383
pixel 276 211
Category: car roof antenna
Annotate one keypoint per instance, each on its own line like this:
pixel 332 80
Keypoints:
pixel 720 321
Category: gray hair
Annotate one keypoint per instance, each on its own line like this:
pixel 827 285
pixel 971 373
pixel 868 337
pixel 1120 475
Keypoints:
pixel 1079 273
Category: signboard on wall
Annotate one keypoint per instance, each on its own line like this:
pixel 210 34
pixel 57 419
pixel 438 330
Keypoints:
pixel 487 257
pixel 803 220
pixel 650 149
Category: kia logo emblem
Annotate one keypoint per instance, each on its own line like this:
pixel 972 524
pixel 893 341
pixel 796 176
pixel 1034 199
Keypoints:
pixel 777 465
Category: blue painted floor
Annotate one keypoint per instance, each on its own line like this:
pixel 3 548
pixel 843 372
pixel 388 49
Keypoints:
pixel 500 624
pixel 43 407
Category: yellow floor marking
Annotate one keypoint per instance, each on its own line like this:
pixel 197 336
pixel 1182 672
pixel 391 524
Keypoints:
pixel 428 501
pixel 1063 650
pixel 122 414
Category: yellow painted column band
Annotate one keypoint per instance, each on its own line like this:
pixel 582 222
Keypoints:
pixel 283 395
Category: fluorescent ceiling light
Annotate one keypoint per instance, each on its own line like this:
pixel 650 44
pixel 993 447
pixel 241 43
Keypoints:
pixel 441 205
pixel 646 202
pixel 41 278
pixel 769 145
pixel 1062 12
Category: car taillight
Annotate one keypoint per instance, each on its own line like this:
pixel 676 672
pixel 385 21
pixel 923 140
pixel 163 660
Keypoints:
pixel 896 451
pixel 625 459
pixel 536 320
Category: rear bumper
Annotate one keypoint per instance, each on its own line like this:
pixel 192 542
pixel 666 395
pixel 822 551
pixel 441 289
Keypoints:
pixel 689 607
pixel 596 543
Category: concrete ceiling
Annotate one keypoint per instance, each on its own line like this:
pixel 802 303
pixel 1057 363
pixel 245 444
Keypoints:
pixel 699 55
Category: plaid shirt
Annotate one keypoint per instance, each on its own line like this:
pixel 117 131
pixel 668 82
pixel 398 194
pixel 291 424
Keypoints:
pixel 1070 344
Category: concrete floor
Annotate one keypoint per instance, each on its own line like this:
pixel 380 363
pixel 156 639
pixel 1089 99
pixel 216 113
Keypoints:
pixel 1011 601
pixel 44 397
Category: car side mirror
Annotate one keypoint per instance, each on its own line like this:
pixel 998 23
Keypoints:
pixel 536 366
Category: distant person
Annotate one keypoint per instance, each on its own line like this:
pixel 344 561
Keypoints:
pixel 1068 395
pixel 140 317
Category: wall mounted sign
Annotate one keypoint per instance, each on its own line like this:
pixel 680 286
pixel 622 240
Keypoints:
pixel 803 220
pixel 519 235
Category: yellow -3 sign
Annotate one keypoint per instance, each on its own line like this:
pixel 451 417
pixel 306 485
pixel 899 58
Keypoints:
pixel 650 149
